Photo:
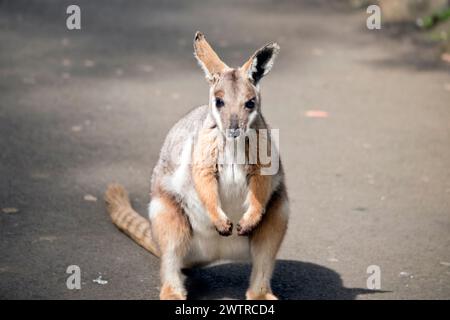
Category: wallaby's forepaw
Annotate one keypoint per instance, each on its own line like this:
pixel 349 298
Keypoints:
pixel 224 227
pixel 246 225
pixel 250 295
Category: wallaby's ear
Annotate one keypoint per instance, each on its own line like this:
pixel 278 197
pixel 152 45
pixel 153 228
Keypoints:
pixel 261 62
pixel 207 58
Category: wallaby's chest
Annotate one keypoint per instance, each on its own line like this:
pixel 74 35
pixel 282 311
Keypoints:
pixel 210 246
pixel 233 188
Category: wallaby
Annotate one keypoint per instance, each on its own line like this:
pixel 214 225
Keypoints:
pixel 195 198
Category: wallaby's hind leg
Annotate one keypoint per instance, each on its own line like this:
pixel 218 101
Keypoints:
pixel 264 243
pixel 173 233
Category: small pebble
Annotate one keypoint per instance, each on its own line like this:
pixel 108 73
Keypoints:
pixel 77 128
pixel 100 281
pixel 90 197
pixel 10 210
pixel 89 63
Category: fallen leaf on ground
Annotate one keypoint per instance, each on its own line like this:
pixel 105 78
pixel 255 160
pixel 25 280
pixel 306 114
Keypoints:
pixel 446 57
pixel 317 52
pixel 77 128
pixel 316 114
pixel 89 63
pixel 66 62
pixel 90 197
pixel 147 68
pixel 47 238
pixel 10 210
pixel 406 274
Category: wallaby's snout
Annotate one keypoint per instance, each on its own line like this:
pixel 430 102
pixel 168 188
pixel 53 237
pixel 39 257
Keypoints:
pixel 234 133
pixel 233 130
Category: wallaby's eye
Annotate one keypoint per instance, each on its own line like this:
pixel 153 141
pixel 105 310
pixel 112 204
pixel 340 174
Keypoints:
pixel 250 104
pixel 219 103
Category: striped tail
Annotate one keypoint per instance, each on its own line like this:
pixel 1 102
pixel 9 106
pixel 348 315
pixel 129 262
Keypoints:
pixel 126 219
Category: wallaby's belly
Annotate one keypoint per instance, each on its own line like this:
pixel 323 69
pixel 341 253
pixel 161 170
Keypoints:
pixel 212 248
pixel 207 245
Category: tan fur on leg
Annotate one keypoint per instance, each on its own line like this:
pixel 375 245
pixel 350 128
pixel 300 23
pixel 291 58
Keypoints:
pixel 258 194
pixel 250 295
pixel 173 233
pixel 168 293
pixel 265 242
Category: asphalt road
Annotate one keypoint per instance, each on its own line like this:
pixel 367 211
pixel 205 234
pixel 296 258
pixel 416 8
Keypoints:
pixel 369 184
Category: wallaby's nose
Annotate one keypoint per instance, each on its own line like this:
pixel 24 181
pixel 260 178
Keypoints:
pixel 233 131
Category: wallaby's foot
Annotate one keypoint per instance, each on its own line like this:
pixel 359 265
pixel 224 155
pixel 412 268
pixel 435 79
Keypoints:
pixel 250 295
pixel 224 227
pixel 247 224
pixel 169 293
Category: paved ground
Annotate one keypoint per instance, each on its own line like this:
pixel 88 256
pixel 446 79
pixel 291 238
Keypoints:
pixel 369 185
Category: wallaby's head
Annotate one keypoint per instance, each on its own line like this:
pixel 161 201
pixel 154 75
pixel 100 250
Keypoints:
pixel 234 98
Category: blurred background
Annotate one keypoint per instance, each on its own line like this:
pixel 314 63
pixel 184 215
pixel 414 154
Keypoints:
pixel 364 119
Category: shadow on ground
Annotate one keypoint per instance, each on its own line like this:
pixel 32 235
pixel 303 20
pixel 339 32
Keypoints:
pixel 292 280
